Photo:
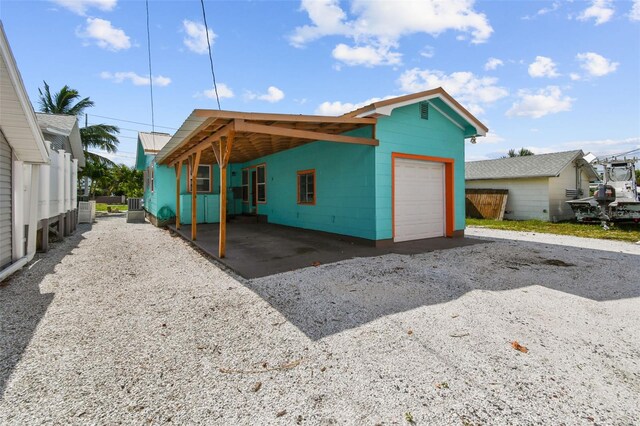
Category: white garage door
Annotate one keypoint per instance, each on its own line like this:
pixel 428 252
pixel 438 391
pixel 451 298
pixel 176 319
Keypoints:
pixel 5 202
pixel 419 200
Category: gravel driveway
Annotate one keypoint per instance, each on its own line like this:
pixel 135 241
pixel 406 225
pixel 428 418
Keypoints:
pixel 123 323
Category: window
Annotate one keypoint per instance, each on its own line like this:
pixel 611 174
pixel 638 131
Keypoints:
pixel 245 185
pixel 203 179
pixel 151 177
pixel 307 187
pixel 262 183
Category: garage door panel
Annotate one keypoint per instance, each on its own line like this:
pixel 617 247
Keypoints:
pixel 419 197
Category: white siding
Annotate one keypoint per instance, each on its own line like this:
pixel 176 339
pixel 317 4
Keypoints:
pixel 558 208
pixel 527 199
pixel 6 222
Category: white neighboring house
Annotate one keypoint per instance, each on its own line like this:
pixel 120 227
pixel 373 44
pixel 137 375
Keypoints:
pixel 539 185
pixel 37 183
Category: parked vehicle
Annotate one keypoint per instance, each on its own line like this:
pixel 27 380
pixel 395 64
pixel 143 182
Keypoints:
pixel 615 199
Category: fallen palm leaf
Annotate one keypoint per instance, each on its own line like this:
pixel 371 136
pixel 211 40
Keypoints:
pixel 518 347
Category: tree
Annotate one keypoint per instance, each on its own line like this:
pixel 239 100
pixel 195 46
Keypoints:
pixel 638 177
pixel 523 152
pixel 117 180
pixel 69 102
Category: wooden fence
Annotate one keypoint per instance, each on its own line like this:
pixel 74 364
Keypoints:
pixel 486 203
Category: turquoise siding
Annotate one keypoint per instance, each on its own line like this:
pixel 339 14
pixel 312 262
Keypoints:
pixel 405 132
pixel 345 187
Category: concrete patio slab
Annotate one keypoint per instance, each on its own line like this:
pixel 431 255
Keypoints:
pixel 260 249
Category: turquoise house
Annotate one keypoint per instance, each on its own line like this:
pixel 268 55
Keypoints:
pixel 389 172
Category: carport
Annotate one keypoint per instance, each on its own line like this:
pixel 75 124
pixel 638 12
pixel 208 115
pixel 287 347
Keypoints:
pixel 261 249
pixel 235 137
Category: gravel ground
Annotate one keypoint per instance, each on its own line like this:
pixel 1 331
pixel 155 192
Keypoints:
pixel 123 323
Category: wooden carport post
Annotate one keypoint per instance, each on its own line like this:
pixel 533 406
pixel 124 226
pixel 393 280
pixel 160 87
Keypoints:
pixel 195 162
pixel 178 167
pixel 222 156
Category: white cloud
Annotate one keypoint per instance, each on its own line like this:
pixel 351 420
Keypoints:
pixel 368 56
pixel 80 7
pixel 105 35
pixel 137 80
pixel 493 63
pixel 224 91
pixel 604 147
pixel 339 108
pixel 196 38
pixel 543 67
pixel 377 26
pixel 549 100
pixel 491 138
pixel 600 10
pixel 472 91
pixel 430 52
pixel 118 157
pixel 554 6
pixel 634 13
pixel 273 95
pixel 596 65
pixel 574 76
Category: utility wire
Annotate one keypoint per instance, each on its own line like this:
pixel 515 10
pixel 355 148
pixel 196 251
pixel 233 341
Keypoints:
pixel 153 138
pixel 132 122
pixel 213 74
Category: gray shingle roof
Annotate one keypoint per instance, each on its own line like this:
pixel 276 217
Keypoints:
pixel 540 165
pixel 66 126
pixel 153 142
pixel 60 122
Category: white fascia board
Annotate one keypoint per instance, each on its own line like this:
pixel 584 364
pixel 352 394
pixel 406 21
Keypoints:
pixel 21 93
pixel 388 109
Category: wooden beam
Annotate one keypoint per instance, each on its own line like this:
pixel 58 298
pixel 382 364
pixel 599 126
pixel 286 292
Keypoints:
pixel 225 153
pixel 298 118
pixel 178 176
pixel 204 144
pixel 194 193
pixel 302 134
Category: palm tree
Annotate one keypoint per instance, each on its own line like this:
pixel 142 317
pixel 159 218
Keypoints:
pixel 522 153
pixel 68 101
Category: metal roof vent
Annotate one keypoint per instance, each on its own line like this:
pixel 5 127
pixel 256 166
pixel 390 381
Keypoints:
pixel 424 110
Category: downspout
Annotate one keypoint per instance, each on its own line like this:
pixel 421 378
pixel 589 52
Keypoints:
pixel 33 225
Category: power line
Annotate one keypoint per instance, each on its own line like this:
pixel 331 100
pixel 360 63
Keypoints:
pixel 213 74
pixel 125 128
pixel 153 138
pixel 132 122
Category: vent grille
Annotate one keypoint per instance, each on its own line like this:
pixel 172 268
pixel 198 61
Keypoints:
pixel 424 110
pixel 572 193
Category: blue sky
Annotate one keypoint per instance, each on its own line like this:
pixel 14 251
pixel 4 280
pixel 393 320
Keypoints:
pixel 548 76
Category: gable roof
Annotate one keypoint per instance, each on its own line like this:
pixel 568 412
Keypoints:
pixel 445 104
pixel 153 142
pixel 17 118
pixel 149 143
pixel 540 165
pixel 64 125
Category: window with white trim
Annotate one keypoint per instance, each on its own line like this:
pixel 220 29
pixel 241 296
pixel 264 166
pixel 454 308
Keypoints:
pixel 204 179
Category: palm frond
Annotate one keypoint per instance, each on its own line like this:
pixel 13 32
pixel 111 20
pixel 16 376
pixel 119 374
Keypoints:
pixel 101 136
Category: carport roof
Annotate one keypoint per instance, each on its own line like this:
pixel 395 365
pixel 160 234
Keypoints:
pixel 256 134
